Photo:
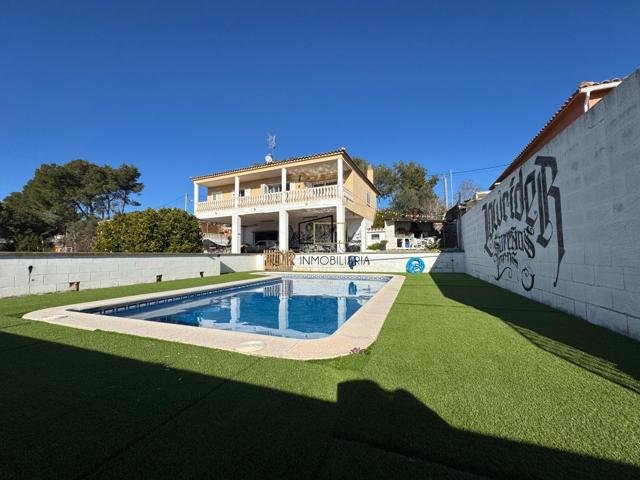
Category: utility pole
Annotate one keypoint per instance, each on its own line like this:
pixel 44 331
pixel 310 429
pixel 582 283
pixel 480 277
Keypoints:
pixel 451 186
pixel 186 202
pixel 446 192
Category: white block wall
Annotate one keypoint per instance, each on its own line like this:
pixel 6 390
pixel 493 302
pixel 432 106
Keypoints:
pixel 244 262
pixel 598 177
pixel 377 262
pixel 55 272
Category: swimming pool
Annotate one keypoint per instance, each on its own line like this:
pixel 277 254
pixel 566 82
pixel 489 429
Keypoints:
pixel 295 306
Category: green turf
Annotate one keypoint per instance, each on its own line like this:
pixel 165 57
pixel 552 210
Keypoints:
pixel 465 381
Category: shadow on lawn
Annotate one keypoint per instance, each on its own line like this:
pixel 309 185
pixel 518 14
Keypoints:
pixel 70 412
pixel 603 352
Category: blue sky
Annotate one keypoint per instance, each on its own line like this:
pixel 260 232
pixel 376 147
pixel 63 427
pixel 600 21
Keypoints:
pixel 187 88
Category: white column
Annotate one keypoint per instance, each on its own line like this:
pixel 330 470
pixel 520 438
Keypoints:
pixel 342 310
pixel 283 313
pixel 284 185
pixel 364 225
pixel 340 228
pixel 196 191
pixel 340 180
pixel 236 233
pixel 283 230
pixel 236 194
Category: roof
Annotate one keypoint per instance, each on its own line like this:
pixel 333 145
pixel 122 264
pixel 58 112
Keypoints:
pixel 535 144
pixel 261 166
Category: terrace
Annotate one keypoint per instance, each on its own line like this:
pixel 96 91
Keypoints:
pixel 466 380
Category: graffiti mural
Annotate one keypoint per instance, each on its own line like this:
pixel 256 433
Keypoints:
pixel 525 215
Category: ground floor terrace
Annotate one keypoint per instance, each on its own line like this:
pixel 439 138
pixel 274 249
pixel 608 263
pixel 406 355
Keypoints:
pixel 465 381
pixel 331 228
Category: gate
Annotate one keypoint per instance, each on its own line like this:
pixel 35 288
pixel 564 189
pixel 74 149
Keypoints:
pixel 278 261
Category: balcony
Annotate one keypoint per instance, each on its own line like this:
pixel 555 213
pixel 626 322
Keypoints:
pixel 291 197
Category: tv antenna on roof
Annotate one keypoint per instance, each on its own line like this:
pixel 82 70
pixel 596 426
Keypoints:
pixel 271 142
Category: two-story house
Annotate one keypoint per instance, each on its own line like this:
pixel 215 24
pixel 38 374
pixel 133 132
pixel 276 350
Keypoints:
pixel 321 202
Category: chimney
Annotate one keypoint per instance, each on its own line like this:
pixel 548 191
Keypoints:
pixel 268 158
pixel 370 173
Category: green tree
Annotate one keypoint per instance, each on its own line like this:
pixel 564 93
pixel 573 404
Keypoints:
pixel 165 230
pixel 361 163
pixel 409 189
pixel 58 196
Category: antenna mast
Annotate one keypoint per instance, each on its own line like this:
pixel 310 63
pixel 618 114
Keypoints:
pixel 271 143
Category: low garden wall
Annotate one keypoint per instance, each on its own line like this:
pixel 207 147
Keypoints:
pixel 564 229
pixel 241 262
pixel 22 274
pixel 391 262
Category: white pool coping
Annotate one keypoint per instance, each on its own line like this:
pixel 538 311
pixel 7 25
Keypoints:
pixel 359 331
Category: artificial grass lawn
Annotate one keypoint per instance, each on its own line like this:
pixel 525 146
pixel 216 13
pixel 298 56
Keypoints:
pixel 465 381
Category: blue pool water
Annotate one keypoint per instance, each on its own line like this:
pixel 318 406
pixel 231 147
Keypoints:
pixel 296 307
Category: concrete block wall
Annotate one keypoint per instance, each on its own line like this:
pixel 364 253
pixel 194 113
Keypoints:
pixel 57 272
pixel 243 262
pixel 378 262
pixel 598 221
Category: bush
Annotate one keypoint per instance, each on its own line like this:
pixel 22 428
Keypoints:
pixel 382 245
pixel 155 231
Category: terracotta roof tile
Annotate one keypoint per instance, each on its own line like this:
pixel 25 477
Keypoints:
pixel 518 160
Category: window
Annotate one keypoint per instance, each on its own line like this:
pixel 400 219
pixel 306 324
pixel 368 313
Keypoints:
pixel 375 237
pixel 215 196
pixel 273 188
pixel 369 199
pixel 245 192
pixel 325 183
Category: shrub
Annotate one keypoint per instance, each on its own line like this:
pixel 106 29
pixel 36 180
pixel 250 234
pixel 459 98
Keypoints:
pixel 382 245
pixel 155 231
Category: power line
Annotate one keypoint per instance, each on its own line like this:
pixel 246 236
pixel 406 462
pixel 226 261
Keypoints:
pixel 181 197
pixel 468 171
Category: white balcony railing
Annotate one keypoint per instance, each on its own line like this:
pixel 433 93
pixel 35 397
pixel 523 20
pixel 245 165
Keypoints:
pixel 260 200
pixel 214 205
pixel 326 192
pixel 301 195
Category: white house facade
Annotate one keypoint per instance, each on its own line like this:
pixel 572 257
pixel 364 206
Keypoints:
pixel 316 203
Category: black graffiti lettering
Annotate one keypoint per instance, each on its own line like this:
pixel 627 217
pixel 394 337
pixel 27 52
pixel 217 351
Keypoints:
pixel 518 195
pixel 529 197
pixel 505 240
pixel 487 229
pixel 553 192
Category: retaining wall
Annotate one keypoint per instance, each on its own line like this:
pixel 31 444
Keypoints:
pixel 23 274
pixel 565 228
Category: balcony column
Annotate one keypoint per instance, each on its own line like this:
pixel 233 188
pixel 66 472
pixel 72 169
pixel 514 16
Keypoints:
pixel 236 233
pixel 283 230
pixel 364 225
pixel 236 192
pixel 284 185
pixel 196 190
pixel 340 228
pixel 340 181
